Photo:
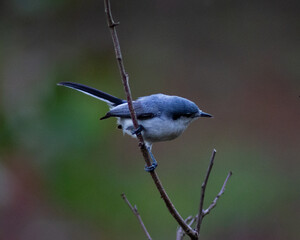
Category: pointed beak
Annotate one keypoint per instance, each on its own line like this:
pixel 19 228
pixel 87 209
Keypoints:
pixel 203 114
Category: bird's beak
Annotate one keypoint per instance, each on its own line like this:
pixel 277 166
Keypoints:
pixel 203 114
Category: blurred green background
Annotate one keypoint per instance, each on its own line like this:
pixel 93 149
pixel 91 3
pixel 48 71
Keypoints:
pixel 62 170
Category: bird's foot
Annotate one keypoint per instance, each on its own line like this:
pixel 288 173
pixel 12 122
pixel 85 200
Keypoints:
pixel 138 130
pixel 154 164
pixel 151 168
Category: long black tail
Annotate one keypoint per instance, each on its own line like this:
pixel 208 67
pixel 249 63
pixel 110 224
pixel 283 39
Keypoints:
pixel 111 100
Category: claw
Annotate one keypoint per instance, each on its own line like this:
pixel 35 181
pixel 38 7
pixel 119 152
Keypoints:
pixel 138 130
pixel 151 168
pixel 154 162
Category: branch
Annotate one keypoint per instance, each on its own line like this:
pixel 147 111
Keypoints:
pixel 180 233
pixel 202 213
pixel 125 78
pixel 136 213
pixel 214 202
pixel 203 187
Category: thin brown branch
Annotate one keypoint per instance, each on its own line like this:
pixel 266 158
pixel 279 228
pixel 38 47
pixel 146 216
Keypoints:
pixel 180 233
pixel 214 202
pixel 125 78
pixel 138 216
pixel 202 213
pixel 203 187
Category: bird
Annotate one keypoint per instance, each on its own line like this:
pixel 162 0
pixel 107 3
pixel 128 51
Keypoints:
pixel 160 117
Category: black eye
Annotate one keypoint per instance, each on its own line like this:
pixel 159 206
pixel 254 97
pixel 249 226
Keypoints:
pixel 176 116
pixel 188 115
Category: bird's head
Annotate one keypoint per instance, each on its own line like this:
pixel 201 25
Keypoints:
pixel 186 111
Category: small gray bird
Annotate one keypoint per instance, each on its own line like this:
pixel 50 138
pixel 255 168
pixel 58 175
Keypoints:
pixel 161 117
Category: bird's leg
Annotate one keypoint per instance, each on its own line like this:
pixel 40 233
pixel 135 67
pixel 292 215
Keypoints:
pixel 154 162
pixel 138 130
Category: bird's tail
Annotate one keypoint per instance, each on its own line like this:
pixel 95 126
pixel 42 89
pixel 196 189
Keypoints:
pixel 111 100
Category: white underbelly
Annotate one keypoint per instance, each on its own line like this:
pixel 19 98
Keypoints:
pixel 156 129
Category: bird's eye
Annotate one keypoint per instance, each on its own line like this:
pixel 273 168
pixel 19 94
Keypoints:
pixel 188 115
pixel 177 116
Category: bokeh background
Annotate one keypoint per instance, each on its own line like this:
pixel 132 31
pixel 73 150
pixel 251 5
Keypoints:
pixel 62 170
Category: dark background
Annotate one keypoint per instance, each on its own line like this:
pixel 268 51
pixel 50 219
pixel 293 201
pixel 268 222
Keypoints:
pixel 62 170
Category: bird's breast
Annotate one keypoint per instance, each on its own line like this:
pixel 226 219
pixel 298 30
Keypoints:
pixel 155 129
pixel 159 129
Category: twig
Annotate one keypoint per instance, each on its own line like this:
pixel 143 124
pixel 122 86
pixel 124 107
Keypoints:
pixel 124 76
pixel 214 202
pixel 112 26
pixel 136 213
pixel 202 213
pixel 180 233
pixel 203 187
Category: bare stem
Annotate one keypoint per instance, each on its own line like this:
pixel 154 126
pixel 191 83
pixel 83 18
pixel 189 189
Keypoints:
pixel 214 202
pixel 136 213
pixel 125 78
pixel 203 187
pixel 180 233
pixel 202 213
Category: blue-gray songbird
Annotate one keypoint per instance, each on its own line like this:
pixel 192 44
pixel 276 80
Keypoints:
pixel 160 117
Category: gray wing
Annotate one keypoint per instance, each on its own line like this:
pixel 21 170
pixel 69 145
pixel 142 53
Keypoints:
pixel 122 111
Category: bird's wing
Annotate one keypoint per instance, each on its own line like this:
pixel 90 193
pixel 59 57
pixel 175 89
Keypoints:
pixel 122 111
